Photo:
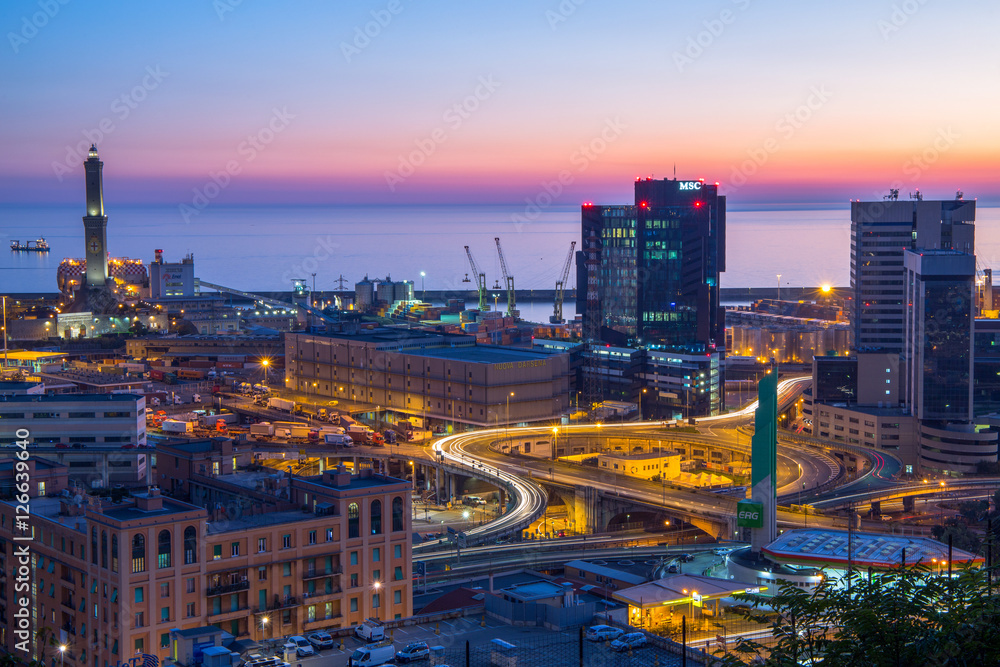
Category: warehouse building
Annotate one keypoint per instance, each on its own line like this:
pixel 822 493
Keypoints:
pixel 447 378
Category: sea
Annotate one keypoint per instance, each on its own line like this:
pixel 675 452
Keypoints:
pixel 266 247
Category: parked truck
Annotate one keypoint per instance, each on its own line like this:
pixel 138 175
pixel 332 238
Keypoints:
pixel 263 428
pixel 338 439
pixel 299 431
pixel 282 404
pixel 174 426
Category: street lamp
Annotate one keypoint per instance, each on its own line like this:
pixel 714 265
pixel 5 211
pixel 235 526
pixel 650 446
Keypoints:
pixel 640 403
pixel 555 441
pixel 62 654
pixel 263 627
pixel 265 363
pixel 779 288
pixel 378 586
pixel 506 426
pixel 422 292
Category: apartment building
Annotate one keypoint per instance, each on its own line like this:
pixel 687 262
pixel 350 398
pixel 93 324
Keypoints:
pixel 112 579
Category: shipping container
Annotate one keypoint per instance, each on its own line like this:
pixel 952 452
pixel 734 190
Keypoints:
pixel 174 426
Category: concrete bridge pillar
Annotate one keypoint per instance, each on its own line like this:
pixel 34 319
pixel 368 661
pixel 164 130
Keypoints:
pixel 437 486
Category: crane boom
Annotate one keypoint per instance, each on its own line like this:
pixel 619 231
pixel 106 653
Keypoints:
pixel 480 281
pixel 557 315
pixel 509 280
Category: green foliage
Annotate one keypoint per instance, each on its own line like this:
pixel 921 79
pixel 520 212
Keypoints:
pixel 885 619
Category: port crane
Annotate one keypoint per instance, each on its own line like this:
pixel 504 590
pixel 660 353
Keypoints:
pixel 480 281
pixel 508 280
pixel 557 314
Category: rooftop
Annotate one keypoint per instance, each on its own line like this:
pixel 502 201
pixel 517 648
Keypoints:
pixel 535 590
pixel 604 570
pixel 647 456
pixel 681 588
pixel 71 398
pixel 816 546
pixel 484 354
pixel 242 523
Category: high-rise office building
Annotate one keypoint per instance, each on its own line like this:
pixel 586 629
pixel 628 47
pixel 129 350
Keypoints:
pixel 881 231
pixel 659 264
pixel 652 277
pixel 940 310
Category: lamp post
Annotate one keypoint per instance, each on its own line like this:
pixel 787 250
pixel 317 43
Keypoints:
pixel 423 294
pixel 555 441
pixel 62 654
pixel 640 403
pixel 779 288
pixel 263 627
pixel 265 363
pixel 377 586
pixel 506 426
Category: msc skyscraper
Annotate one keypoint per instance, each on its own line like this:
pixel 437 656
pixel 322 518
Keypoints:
pixel 652 272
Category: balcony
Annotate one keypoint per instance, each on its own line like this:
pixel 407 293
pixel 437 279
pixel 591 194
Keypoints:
pixel 316 596
pixel 233 587
pixel 322 623
pixel 228 614
pixel 280 603
pixel 311 573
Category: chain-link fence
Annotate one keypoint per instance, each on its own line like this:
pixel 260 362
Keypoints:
pixel 556 649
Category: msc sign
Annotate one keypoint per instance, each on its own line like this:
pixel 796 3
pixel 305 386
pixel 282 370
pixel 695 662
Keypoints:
pixel 750 515
pixel 690 185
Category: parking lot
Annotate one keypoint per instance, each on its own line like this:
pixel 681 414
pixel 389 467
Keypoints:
pixel 534 646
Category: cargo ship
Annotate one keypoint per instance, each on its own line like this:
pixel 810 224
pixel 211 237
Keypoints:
pixel 38 245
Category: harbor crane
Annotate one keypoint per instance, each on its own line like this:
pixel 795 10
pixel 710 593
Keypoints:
pixel 509 281
pixel 557 314
pixel 480 281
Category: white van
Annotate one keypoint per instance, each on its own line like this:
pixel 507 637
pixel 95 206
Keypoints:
pixel 372 655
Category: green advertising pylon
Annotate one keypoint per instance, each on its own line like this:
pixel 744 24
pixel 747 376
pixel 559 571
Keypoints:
pixel 764 465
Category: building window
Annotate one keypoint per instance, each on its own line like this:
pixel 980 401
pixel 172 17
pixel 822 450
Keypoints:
pixel 397 574
pixel 104 549
pixel 114 553
pixel 376 517
pixel 165 589
pixel 190 610
pixel 234 549
pixel 140 621
pixel 190 585
pixel 312 537
pixel 138 594
pixel 354 580
pixel 397 596
pixel 286 541
pixel 261 574
pixel 261 544
pixel 398 522
pixel 190 545
pixel 354 558
pixel 286 569
pixel 163 550
pixel 397 551
pixel 329 534
pixel 93 546
pixel 353 520
pixel 165 640
pixel 354 604
pixel 217 552
pixel 138 554
pixel 376 554
pixel 165 614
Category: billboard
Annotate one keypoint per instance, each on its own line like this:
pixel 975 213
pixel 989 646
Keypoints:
pixel 749 514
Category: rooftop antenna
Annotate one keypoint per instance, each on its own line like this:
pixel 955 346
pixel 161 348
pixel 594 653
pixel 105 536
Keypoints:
pixel 959 195
pixel 675 171
pixel 893 194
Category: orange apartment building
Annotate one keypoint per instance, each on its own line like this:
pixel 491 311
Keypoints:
pixel 110 580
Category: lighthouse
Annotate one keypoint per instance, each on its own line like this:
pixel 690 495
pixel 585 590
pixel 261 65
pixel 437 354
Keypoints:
pixel 95 223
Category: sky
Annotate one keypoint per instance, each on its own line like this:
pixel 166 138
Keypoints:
pixel 397 102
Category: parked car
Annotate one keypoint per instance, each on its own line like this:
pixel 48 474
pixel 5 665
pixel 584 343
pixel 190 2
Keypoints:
pixel 320 640
pixel 602 633
pixel 302 646
pixel 628 642
pixel 414 651
pixel 685 558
